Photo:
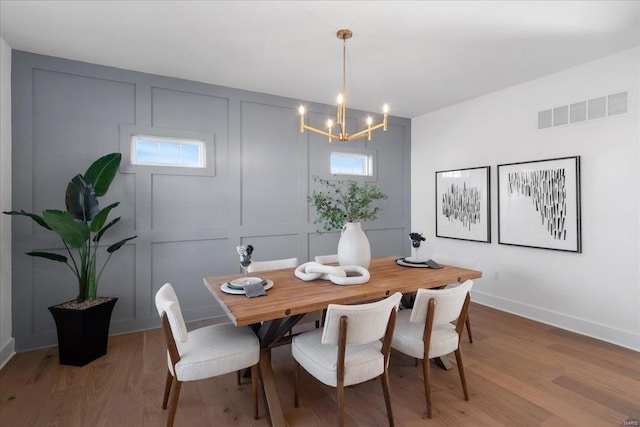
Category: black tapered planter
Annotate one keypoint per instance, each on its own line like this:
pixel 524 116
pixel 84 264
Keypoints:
pixel 82 334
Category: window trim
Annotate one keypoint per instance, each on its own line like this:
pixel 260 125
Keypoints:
pixel 325 166
pixel 128 131
pixel 367 158
pixel 202 161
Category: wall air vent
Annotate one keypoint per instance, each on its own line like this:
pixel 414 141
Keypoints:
pixel 561 115
pixel 597 108
pixel 544 119
pixel 578 112
pixel 582 111
pixel 617 103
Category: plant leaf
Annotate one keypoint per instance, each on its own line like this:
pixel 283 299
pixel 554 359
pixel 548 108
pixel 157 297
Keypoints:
pixel 81 199
pixel 75 233
pixel 49 255
pixel 344 201
pixel 111 249
pixel 100 218
pixel 101 172
pixel 35 217
pixel 98 236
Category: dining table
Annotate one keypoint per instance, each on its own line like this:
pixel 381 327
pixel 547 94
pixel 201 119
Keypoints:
pixel 273 315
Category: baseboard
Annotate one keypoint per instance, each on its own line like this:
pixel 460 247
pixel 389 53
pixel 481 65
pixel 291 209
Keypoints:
pixel 619 337
pixel 117 327
pixel 7 352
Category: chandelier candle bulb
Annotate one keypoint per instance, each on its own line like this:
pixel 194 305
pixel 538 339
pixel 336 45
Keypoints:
pixel 385 110
pixel 301 111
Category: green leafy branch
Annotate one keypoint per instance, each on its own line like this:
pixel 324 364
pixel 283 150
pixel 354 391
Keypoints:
pixel 344 201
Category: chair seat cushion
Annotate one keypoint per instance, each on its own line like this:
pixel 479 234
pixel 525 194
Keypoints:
pixel 216 350
pixel 362 362
pixel 407 337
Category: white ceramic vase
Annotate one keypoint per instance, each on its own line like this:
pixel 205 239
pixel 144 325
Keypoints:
pixel 353 247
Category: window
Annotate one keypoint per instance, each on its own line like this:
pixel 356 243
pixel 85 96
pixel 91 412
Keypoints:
pixel 351 164
pixel 163 151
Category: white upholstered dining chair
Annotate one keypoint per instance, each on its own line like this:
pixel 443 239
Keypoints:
pixel 203 353
pixel 348 350
pixel 447 260
pixel 326 259
pixel 276 264
pixel 426 331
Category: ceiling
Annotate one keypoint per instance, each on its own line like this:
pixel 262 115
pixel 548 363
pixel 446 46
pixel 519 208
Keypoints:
pixel 417 56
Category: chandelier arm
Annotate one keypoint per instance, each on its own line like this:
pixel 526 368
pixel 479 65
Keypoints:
pixel 321 132
pixel 365 132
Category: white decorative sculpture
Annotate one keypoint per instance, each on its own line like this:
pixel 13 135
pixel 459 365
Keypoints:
pixel 343 275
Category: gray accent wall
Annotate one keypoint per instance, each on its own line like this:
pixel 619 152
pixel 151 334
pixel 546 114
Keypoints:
pixel 66 114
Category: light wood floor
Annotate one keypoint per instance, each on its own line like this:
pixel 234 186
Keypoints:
pixel 519 372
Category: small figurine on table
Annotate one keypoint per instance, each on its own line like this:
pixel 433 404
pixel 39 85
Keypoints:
pixel 245 259
pixel 416 240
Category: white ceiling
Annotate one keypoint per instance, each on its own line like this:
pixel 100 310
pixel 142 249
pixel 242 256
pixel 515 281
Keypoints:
pixel 418 56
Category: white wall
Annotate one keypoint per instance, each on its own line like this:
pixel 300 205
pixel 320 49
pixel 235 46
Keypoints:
pixel 6 340
pixel 596 293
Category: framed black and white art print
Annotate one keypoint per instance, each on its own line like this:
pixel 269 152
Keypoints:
pixel 539 204
pixel 463 204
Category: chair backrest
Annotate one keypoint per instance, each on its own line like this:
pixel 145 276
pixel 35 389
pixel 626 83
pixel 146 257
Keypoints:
pixel 326 259
pixel 275 264
pixel 448 303
pixel 167 302
pixel 366 323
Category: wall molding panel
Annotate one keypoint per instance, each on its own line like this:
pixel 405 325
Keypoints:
pixel 66 114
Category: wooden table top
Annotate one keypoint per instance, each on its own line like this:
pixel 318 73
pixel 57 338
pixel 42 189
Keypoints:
pixel 290 295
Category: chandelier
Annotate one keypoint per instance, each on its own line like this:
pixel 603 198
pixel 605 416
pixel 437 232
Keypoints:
pixel 342 107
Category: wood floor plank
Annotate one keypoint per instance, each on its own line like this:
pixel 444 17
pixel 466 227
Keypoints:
pixel 625 405
pixel 580 411
pixel 629 368
pixel 519 373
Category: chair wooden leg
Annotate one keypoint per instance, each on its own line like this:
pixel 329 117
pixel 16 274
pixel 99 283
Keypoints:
pixel 384 378
pixel 468 325
pixel 238 377
pixel 254 389
pixel 463 379
pixel 167 389
pixel 174 403
pixel 340 393
pixel 296 393
pixel 426 370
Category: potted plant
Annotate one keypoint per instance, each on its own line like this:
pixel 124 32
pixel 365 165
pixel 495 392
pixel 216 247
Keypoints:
pixel 344 205
pixel 83 324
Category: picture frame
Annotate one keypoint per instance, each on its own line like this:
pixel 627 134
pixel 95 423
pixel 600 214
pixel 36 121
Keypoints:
pixel 539 204
pixel 463 204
